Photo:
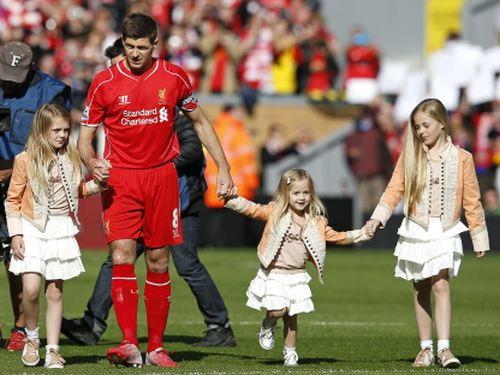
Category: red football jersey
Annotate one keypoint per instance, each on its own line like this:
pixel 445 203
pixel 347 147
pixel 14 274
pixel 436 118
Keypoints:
pixel 138 112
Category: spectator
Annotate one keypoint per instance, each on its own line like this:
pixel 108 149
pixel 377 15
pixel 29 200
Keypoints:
pixel 274 149
pixel 256 58
pixel 238 147
pixel 303 140
pixel 491 202
pixel 22 91
pixel 366 154
pixel 284 67
pixel 218 46
pixel 362 57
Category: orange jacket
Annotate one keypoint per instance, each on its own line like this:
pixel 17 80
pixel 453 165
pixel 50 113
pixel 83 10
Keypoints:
pixel 21 202
pixel 238 147
pixel 460 190
pixel 315 234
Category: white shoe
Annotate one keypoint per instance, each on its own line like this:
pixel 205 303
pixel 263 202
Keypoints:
pixel 53 359
pixel 291 358
pixel 424 358
pixel 266 336
pixel 30 356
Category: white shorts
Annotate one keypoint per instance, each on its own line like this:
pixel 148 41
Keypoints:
pixel 54 253
pixel 424 253
pixel 275 291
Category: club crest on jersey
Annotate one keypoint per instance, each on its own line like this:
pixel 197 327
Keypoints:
pixel 85 114
pixel 123 100
pixel 162 96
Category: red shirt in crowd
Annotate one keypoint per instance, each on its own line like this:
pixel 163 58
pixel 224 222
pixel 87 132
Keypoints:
pixel 138 112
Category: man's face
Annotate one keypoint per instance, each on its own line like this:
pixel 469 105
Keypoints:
pixel 139 54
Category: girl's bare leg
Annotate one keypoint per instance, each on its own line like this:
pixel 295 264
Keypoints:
pixel 290 330
pixel 423 309
pixel 273 315
pixel 442 298
pixel 53 318
pixel 31 302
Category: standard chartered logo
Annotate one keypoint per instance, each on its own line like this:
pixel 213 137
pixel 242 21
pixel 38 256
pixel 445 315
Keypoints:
pixel 144 116
pixel 163 114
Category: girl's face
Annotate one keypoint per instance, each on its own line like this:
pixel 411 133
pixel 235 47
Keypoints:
pixel 299 196
pixel 428 130
pixel 59 133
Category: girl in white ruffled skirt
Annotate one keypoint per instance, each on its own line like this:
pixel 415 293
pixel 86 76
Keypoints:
pixel 437 180
pixel 41 209
pixel 296 231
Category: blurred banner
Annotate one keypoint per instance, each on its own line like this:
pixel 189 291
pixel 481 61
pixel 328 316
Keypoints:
pixel 442 17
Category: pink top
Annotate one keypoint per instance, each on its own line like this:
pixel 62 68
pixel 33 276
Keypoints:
pixel 58 202
pixel 292 255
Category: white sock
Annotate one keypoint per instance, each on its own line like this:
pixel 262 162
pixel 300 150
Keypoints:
pixel 289 348
pixel 426 344
pixel 48 347
pixel 443 344
pixel 32 334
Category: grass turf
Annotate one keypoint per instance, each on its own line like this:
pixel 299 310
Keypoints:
pixel 363 323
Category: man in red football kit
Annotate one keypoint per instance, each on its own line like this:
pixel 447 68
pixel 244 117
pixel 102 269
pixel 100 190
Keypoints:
pixel 135 101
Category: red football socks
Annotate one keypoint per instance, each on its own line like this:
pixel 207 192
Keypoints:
pixel 157 292
pixel 125 295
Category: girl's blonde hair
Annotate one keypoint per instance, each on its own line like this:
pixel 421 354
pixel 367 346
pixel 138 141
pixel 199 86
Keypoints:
pixel 414 157
pixel 282 197
pixel 42 153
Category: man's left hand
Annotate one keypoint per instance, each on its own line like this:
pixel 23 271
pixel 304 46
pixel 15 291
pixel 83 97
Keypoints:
pixel 225 185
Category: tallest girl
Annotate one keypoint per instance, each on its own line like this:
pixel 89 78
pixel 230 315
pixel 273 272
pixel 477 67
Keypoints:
pixel 436 180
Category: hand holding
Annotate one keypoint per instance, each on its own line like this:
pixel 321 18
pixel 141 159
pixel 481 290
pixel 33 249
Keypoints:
pixel 225 185
pixel 371 226
pixel 101 171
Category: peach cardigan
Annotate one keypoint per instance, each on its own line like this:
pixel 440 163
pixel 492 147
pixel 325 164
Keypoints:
pixel 315 234
pixel 459 188
pixel 21 202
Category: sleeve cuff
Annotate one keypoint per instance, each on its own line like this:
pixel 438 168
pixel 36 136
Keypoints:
pixel 237 204
pixel 357 235
pixel 14 225
pixel 382 213
pixel 480 240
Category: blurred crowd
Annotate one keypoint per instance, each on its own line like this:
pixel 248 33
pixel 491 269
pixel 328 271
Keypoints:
pixel 226 46
pixel 279 47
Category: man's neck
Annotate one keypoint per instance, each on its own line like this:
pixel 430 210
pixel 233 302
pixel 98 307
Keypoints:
pixel 138 72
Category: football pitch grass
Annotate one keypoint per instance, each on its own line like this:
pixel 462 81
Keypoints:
pixel 363 323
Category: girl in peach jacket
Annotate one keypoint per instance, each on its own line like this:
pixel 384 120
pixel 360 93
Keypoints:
pixel 41 208
pixel 436 179
pixel 296 231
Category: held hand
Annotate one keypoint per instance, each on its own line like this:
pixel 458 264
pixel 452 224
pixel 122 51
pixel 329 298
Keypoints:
pixel 225 185
pixel 480 254
pixel 371 226
pixel 17 246
pixel 366 236
pixel 101 171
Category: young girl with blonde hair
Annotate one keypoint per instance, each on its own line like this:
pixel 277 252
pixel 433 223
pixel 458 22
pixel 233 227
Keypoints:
pixel 41 208
pixel 296 231
pixel 436 179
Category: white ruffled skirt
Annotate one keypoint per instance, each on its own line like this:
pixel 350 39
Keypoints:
pixel 54 253
pixel 274 291
pixel 423 253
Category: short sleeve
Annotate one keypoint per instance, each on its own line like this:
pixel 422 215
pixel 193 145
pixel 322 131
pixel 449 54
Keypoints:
pixel 94 112
pixel 186 100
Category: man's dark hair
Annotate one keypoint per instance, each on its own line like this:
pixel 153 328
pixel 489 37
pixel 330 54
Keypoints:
pixel 139 25
pixel 116 49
